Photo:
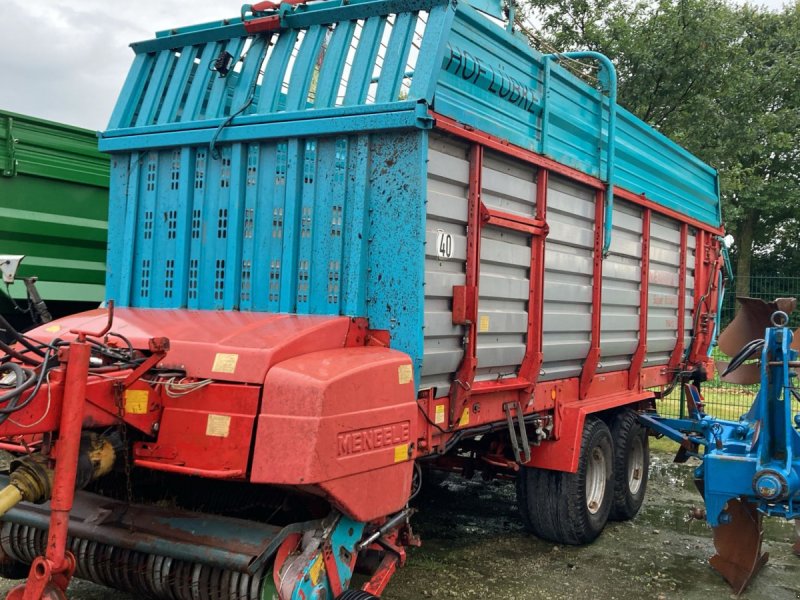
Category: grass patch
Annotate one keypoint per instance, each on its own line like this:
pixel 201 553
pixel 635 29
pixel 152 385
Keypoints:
pixel 663 445
pixel 722 402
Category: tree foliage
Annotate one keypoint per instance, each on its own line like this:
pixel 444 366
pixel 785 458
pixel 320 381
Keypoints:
pixel 721 79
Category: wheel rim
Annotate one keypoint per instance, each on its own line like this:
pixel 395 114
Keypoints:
pixel 636 465
pixel 596 475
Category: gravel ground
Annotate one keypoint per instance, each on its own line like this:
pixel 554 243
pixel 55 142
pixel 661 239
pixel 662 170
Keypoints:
pixel 475 548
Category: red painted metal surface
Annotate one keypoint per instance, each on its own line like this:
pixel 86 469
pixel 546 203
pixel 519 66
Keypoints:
pixel 451 126
pixel 594 391
pixel 338 423
pixel 454 127
pixel 208 433
pixel 55 569
pixel 677 353
pixel 242 344
pixel 532 361
pixel 462 385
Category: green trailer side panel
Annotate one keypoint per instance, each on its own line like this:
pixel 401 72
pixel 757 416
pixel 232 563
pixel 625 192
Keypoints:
pixel 54 206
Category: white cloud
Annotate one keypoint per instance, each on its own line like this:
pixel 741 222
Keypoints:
pixel 67 61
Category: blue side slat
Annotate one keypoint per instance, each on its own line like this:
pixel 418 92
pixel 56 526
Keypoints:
pixel 277 205
pixel 118 270
pixel 250 228
pixel 360 76
pixel 220 87
pixel 199 85
pixel 125 252
pixel 356 229
pixel 304 67
pixel 250 69
pixel 233 250
pixel 257 248
pixel 155 89
pixel 307 263
pixel 275 71
pixel 177 85
pixel 291 222
pixel 143 267
pixel 396 59
pixel 325 289
pixel 197 229
pixel 431 51
pixel 184 195
pixel 330 74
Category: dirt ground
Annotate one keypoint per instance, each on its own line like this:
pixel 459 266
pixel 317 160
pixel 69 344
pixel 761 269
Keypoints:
pixel 475 548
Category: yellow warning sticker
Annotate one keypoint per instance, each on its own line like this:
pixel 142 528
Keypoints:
pixel 136 402
pixel 218 426
pixel 401 453
pixel 316 570
pixel 464 420
pixel 483 324
pixel 53 329
pixel 438 416
pixel 405 374
pixel 225 363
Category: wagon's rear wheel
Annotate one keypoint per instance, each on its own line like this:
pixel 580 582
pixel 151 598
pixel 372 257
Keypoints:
pixel 571 508
pixel 631 465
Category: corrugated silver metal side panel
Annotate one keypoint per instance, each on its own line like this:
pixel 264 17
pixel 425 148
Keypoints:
pixel 448 187
pixel 662 315
pixel 691 258
pixel 622 273
pixel 510 186
pixel 504 288
pixel 567 278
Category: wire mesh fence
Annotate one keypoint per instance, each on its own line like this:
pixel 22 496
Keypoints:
pixel 729 400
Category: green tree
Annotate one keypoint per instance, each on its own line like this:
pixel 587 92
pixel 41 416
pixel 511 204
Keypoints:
pixel 720 79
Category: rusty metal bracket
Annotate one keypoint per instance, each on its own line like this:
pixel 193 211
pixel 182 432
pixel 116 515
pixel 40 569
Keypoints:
pixel 519 439
pixel 82 335
pixel 159 347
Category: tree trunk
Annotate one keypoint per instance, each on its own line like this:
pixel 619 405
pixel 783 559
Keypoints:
pixel 745 252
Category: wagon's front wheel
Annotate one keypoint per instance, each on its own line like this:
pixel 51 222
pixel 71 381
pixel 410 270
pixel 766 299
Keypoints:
pixel 571 508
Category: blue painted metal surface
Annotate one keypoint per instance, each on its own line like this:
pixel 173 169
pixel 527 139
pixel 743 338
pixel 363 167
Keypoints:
pixel 314 582
pixel 608 75
pixel 312 198
pixel 757 458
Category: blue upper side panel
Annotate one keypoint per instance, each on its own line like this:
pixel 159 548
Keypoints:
pixel 495 82
pixel 370 65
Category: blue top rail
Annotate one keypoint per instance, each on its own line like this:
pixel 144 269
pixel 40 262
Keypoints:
pixel 382 64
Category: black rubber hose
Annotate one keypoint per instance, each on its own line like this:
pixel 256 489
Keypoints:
pixel 13 406
pixel 19 355
pixel 19 337
pixel 23 382
pixel 747 351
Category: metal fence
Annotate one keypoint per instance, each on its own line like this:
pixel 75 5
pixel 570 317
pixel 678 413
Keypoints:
pixel 729 400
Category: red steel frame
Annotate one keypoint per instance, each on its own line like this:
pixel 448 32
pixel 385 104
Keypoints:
pixel 570 400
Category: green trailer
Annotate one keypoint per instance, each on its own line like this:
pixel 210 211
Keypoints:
pixel 53 210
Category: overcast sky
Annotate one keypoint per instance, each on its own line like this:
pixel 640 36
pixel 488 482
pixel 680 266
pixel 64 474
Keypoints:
pixel 66 61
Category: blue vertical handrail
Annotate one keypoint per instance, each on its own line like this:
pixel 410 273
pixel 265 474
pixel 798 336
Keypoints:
pixel 606 64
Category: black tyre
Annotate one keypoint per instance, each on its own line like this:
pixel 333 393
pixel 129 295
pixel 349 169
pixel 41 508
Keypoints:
pixel 356 595
pixel 631 465
pixel 571 508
